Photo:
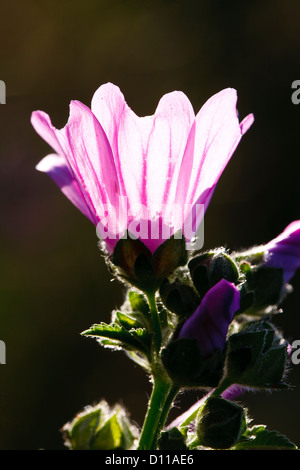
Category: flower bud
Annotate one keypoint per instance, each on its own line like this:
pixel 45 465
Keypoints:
pixel 100 428
pixel 256 356
pixel 220 423
pixel 209 323
pixel 179 298
pixel 210 268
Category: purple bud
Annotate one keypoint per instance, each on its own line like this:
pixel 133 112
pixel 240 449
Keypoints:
pixel 284 251
pixel 233 391
pixel 209 323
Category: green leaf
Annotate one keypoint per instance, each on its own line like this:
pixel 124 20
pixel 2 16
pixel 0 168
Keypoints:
pixel 142 335
pixel 128 321
pixel 138 302
pixel 259 438
pixel 136 339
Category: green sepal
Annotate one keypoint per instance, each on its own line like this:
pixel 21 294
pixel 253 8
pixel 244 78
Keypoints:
pixel 79 433
pixel 267 284
pixel 220 423
pixel 247 298
pixel 256 356
pixel 260 438
pixel 172 440
pixel 209 268
pixel 169 256
pixel 186 366
pixel 133 262
pixel 179 297
pixel 117 336
pixel 100 428
pixel 198 267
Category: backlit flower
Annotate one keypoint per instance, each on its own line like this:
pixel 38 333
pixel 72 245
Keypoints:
pixel 148 175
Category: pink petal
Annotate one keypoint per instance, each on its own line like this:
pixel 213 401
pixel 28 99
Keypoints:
pixel 125 135
pixel 89 155
pixel 148 150
pixel 43 126
pixel 172 122
pixel 213 138
pixel 246 123
pixel 84 147
pixel 58 169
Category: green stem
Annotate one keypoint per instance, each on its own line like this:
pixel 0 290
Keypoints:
pixel 155 321
pixel 164 414
pixel 159 404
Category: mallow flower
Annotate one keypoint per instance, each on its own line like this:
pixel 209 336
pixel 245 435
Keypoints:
pixel 150 176
pixel 284 251
pixel 210 322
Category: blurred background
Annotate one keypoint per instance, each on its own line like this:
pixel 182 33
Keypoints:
pixel 53 280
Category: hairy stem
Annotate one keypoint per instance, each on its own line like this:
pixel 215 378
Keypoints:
pixel 155 321
pixel 158 407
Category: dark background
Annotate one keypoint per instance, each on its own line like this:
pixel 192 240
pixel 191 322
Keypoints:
pixel 53 281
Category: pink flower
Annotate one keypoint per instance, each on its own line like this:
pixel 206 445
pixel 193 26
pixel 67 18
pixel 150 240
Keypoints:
pixel 283 252
pixel 126 172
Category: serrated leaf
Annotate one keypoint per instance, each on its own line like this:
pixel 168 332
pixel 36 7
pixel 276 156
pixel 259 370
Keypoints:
pixel 260 438
pixel 134 339
pixel 138 302
pixel 142 335
pixel 128 321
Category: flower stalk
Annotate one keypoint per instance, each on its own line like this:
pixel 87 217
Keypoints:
pixel 156 325
pixel 163 394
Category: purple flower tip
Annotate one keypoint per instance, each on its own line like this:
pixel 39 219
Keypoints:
pixel 284 251
pixel 209 323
